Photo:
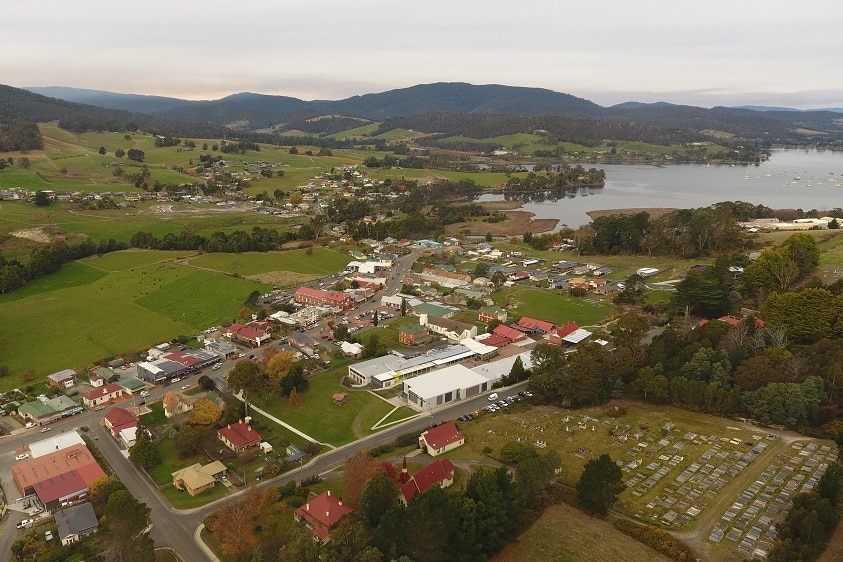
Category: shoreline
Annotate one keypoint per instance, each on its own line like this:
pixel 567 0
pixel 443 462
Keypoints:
pixel 519 222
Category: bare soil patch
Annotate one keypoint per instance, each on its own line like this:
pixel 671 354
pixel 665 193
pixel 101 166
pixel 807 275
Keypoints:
pixel 40 234
pixel 654 212
pixel 516 224
pixel 283 278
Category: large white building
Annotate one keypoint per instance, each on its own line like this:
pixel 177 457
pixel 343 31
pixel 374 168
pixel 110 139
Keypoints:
pixel 443 386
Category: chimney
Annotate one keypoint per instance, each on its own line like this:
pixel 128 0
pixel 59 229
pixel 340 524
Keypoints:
pixel 340 503
pixel 229 426
pixel 329 493
pixel 307 507
pixel 327 514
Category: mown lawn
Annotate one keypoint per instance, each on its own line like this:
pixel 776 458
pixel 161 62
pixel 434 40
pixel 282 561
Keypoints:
pixel 319 417
pixel 556 307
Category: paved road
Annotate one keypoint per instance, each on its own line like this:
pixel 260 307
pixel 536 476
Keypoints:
pixel 176 528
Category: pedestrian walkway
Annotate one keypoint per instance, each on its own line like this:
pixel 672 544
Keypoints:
pixel 283 424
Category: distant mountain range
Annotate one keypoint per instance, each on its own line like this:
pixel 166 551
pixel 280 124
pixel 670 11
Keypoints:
pixel 420 104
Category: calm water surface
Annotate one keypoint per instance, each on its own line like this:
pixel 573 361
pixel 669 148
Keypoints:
pixel 791 179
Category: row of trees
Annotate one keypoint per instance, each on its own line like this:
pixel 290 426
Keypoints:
pixel 49 258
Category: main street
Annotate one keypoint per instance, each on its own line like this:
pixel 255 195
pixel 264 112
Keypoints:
pixel 177 528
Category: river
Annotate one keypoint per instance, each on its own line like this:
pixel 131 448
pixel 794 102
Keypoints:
pixel 791 179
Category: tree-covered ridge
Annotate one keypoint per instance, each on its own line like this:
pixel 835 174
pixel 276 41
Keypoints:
pixel 18 134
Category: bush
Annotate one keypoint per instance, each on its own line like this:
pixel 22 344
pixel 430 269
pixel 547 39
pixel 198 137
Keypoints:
pixel 657 539
pixel 407 439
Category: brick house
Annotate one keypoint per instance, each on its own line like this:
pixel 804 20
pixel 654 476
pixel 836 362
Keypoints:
pixel 318 297
pixel 488 313
pixel 413 334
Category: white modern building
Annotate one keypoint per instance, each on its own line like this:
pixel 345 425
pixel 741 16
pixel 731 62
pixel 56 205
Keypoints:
pixel 443 386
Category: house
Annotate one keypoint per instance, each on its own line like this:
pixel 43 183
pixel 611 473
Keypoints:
pixel 198 478
pixel 102 395
pixel 49 410
pixel 222 349
pixel 239 436
pixel 246 335
pixel 488 313
pixel 352 349
pixel 601 271
pixel 75 522
pixel 440 472
pixel 62 379
pixel 322 513
pixel 175 403
pixel 451 329
pixel 607 290
pixel 441 439
pixel 62 474
pixel 117 420
pixel 303 343
pixel 413 334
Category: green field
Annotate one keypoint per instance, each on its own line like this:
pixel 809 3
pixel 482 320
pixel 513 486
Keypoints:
pixel 556 307
pixel 319 261
pixel 83 313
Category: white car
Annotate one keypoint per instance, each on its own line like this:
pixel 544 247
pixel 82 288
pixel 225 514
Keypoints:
pixel 144 393
pixel 46 429
pixel 185 386
pixel 22 456
pixel 48 536
pixel 493 396
pixel 25 524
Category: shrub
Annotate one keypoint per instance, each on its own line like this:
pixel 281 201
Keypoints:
pixel 657 539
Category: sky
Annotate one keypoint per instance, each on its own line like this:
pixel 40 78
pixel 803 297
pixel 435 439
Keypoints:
pixel 735 52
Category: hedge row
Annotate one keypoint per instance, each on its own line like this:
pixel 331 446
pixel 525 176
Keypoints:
pixel 657 539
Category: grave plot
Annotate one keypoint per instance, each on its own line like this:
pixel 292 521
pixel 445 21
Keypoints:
pixel 750 521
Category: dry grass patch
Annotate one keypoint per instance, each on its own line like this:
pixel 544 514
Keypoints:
pixel 565 534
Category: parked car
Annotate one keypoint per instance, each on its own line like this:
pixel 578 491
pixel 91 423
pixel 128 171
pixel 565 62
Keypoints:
pixel 185 386
pixel 100 407
pixel 22 456
pixel 25 524
pixel 48 536
pixel 216 366
pixel 144 393
pixel 176 379
pixel 493 396
pixel 46 429
pixel 30 424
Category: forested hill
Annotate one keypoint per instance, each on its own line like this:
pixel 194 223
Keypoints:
pixel 443 108
pixel 18 134
pixel 35 108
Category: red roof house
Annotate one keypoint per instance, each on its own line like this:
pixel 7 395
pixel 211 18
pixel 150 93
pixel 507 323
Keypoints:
pixel 118 419
pixel 102 395
pixel 322 513
pixel 239 436
pixel 247 335
pixel 440 471
pixel 441 439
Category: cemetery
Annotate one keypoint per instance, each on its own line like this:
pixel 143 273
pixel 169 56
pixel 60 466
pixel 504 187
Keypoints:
pixel 725 481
